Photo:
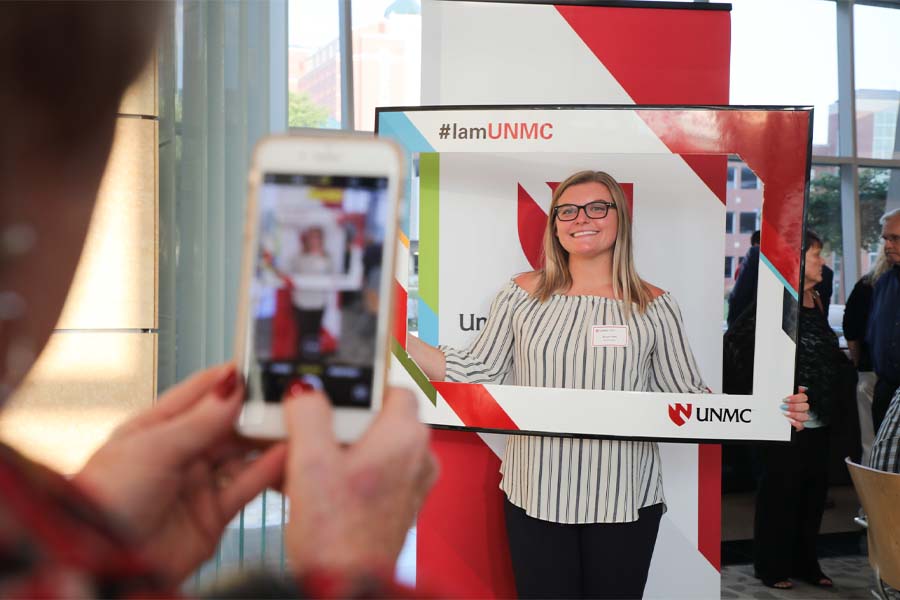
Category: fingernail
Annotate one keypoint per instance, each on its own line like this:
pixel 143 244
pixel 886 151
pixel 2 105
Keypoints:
pixel 783 407
pixel 298 388
pixel 227 385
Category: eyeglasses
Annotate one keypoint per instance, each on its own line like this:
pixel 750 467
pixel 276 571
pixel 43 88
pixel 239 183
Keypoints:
pixel 594 210
pixel 893 239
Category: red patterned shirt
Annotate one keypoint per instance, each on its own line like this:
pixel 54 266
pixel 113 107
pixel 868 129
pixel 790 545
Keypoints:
pixel 55 543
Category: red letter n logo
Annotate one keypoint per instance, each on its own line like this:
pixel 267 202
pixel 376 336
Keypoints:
pixel 679 413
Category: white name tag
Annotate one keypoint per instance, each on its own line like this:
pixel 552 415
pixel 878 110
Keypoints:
pixel 609 336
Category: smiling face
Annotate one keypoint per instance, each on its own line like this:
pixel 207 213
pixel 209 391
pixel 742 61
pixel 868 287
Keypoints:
pixel 311 241
pixel 585 236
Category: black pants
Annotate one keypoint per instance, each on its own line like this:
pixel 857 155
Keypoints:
pixel 597 560
pixel 309 324
pixel 789 506
pixel 881 399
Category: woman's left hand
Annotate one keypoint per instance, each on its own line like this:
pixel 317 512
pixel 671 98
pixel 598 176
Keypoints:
pixel 178 473
pixel 796 408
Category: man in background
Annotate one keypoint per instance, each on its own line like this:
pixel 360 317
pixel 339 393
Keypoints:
pixel 743 294
pixel 883 333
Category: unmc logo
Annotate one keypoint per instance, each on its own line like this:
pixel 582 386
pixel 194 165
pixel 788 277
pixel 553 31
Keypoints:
pixel 680 413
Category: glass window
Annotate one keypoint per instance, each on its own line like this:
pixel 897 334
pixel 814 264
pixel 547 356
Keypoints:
pixel 775 62
pixel 729 222
pixel 748 222
pixel 749 180
pixel 387 56
pixel 877 80
pixel 732 177
pixel 314 64
pixel 729 261
pixel 875 187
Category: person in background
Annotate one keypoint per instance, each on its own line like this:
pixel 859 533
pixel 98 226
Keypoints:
pixel 855 323
pixel 885 455
pixel 743 294
pixel 309 305
pixel 883 331
pixel 790 500
pixel 825 288
pixel 150 506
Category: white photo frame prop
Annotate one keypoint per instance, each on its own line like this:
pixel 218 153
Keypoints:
pixel 673 160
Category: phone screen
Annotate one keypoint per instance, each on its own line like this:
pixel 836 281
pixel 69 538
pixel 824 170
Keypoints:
pixel 316 285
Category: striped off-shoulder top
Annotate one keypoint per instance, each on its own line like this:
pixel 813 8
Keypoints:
pixel 548 344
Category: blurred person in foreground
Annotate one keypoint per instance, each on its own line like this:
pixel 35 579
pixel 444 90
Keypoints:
pixel 150 506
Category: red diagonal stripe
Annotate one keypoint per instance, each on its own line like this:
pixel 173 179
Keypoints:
pixel 658 56
pixel 712 169
pixel 752 135
pixel 532 221
pixel 461 545
pixel 474 405
pixel 709 505
pixel 400 314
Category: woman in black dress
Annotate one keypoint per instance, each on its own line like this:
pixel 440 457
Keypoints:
pixel 791 495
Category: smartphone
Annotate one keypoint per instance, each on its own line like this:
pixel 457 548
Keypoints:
pixel 317 280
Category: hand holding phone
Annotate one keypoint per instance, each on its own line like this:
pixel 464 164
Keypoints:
pixel 359 501
pixel 317 277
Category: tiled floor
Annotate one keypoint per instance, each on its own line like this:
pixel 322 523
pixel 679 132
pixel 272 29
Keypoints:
pixel 841 548
pixel 852 579
pixel 737 513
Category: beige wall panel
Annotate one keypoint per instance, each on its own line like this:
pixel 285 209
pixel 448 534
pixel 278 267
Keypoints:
pixel 82 387
pixel 142 97
pixel 116 281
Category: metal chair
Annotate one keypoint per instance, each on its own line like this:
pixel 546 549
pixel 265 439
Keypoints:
pixel 879 494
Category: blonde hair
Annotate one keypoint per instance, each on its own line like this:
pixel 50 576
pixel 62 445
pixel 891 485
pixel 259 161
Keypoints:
pixel 554 277
pixel 880 267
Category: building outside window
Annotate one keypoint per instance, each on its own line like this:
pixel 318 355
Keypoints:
pixel 748 222
pixel 749 180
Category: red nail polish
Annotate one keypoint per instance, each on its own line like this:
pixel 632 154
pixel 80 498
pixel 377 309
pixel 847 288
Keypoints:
pixel 227 385
pixel 298 388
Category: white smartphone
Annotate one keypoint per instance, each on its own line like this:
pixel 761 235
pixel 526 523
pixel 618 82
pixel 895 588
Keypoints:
pixel 318 271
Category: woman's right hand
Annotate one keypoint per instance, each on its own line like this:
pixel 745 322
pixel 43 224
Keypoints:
pixel 353 506
pixel 430 359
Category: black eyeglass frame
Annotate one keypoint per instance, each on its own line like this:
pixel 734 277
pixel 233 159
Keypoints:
pixel 578 208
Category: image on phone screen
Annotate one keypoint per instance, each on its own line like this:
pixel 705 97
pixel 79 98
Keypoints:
pixel 315 289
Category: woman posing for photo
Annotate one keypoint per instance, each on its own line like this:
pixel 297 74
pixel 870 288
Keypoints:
pixel 582 515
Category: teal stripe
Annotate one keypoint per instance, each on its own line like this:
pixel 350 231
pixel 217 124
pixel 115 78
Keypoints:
pixel 398 127
pixel 428 324
pixel 783 281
